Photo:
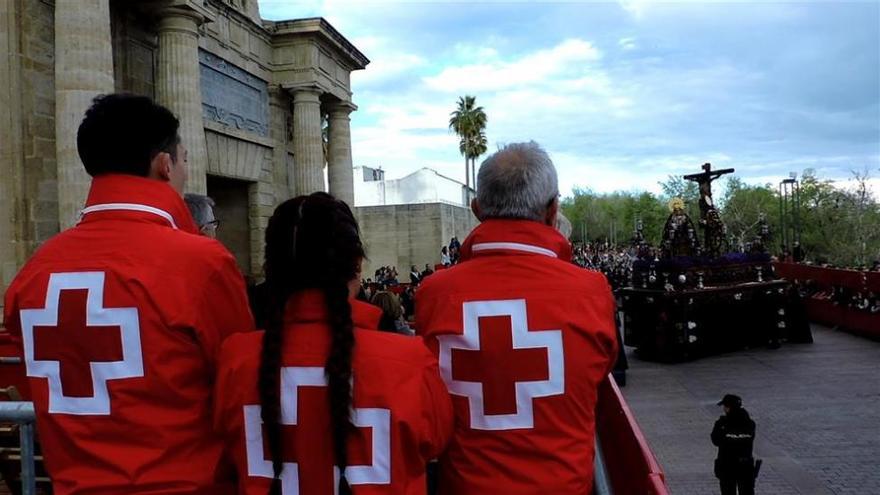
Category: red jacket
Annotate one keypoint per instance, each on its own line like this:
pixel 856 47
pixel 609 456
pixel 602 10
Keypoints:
pixel 401 407
pixel 523 337
pixel 121 319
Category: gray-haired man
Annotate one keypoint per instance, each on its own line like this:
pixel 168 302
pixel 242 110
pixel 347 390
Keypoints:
pixel 523 337
pixel 202 209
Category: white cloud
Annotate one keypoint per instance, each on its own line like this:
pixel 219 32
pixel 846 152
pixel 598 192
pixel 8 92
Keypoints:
pixel 570 55
pixel 628 43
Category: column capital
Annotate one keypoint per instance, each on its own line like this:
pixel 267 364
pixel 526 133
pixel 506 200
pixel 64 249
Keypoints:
pixel 306 95
pixel 342 109
pixel 190 11
pixel 278 96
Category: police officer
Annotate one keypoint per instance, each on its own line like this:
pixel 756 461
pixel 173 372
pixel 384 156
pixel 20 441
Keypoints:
pixel 734 434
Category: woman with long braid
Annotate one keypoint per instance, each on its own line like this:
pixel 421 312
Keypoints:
pixel 319 402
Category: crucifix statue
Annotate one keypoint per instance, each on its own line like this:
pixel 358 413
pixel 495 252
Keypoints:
pixel 713 228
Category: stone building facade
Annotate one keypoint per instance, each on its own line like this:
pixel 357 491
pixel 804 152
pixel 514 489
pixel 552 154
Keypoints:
pixel 404 235
pixel 405 222
pixel 253 98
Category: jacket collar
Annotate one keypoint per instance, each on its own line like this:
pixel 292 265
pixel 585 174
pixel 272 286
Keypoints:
pixel 130 196
pixel 309 306
pixel 517 237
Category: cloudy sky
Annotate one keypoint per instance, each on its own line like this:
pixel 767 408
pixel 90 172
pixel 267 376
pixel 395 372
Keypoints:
pixel 621 94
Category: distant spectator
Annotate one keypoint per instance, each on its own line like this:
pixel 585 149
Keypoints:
pixel 202 209
pixel 454 255
pixel 392 313
pixel 797 253
pixel 415 277
pixel 391 277
pixel 427 271
pixel 445 260
pixel 408 301
pixel 454 244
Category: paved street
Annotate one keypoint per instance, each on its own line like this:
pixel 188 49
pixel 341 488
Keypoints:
pixel 817 407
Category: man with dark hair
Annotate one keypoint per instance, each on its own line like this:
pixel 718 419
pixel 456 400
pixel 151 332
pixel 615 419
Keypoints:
pixel 734 435
pixel 121 318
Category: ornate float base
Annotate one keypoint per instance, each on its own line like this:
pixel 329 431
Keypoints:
pixel 679 325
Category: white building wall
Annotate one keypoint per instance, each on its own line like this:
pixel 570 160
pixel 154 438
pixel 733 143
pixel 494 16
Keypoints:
pixel 422 186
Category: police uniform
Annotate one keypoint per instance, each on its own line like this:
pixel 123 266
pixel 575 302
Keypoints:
pixel 734 435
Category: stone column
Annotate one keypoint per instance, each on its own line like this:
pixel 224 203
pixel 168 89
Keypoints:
pixel 83 70
pixel 178 86
pixel 279 113
pixel 308 149
pixel 340 175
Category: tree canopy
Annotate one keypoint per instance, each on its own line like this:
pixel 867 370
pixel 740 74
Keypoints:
pixel 839 224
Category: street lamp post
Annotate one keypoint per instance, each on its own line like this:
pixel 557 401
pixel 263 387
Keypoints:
pixel 790 211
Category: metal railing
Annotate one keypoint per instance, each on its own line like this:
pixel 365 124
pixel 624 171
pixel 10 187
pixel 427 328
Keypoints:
pixel 601 484
pixel 22 413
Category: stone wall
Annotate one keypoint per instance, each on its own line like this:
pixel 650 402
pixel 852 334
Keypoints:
pixel 28 191
pixel 134 50
pixel 406 235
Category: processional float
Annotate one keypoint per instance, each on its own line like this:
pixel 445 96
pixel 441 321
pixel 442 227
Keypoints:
pixel 691 298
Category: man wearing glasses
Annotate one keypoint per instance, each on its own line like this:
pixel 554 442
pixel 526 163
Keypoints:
pixel 202 209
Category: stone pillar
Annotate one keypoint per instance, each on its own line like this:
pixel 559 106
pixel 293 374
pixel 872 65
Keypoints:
pixel 83 70
pixel 178 86
pixel 340 175
pixel 279 112
pixel 308 146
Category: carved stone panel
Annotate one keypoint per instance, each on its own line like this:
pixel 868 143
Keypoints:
pixel 232 96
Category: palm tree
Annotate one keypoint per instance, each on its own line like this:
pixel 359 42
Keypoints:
pixel 478 146
pixel 468 121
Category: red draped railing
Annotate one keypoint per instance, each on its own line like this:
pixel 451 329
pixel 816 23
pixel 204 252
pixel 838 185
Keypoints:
pixel 631 465
pixel 820 306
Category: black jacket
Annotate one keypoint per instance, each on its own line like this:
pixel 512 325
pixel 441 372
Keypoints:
pixel 734 434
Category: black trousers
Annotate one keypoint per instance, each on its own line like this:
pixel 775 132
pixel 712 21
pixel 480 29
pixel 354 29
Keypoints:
pixel 736 477
pixel 746 486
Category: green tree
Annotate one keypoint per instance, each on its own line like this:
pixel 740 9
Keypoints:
pixel 839 223
pixel 612 217
pixel 741 208
pixel 469 121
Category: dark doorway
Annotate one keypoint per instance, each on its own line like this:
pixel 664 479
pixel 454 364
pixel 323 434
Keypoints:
pixel 231 198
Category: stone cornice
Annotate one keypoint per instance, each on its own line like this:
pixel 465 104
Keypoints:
pixel 326 34
pixel 193 9
pixel 240 16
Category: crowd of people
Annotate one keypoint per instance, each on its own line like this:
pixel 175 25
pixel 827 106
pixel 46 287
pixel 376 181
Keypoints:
pixel 148 373
pixel 614 262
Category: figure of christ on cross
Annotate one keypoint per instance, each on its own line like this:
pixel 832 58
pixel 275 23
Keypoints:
pixel 713 229
pixel 704 180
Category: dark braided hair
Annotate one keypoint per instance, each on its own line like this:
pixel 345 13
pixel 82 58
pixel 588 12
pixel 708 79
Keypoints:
pixel 312 242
